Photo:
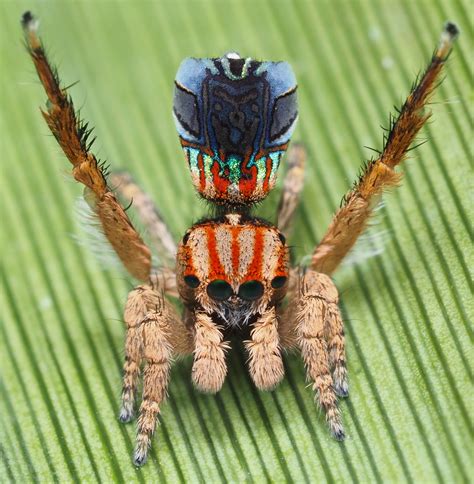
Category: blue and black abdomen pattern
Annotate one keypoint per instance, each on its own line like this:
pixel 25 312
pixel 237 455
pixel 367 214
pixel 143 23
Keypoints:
pixel 235 118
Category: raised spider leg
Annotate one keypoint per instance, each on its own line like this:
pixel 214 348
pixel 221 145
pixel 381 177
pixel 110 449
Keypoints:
pixel 265 361
pixel 209 366
pixel 351 220
pixel 154 333
pixel 313 324
pixel 73 135
pixel 150 217
pixel 292 186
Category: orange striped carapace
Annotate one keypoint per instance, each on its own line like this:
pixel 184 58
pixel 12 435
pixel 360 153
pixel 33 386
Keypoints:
pixel 230 261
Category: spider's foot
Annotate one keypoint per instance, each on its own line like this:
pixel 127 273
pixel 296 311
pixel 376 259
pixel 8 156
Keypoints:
pixel 337 430
pixel 29 22
pixel 341 385
pixel 334 422
pixel 141 452
pixel 127 412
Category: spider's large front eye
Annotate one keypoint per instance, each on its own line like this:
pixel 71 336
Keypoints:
pixel 251 290
pixel 219 290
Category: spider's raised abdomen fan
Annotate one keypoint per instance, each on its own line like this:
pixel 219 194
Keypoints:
pixel 234 118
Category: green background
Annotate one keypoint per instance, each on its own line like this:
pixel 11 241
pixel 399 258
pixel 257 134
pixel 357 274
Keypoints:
pixel 409 415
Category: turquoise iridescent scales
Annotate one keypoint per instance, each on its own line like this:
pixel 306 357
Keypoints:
pixel 235 118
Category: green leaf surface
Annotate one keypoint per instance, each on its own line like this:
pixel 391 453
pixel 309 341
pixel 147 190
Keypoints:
pixel 409 415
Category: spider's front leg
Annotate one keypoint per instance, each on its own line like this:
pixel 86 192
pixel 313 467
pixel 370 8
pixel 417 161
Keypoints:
pixel 379 175
pixel 312 322
pixel 154 334
pixel 75 139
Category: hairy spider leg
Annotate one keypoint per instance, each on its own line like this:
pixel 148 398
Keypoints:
pixel 379 175
pixel 149 215
pixel 292 186
pixel 154 334
pixel 312 323
pixel 73 135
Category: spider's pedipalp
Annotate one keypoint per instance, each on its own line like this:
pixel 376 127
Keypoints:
pixel 209 366
pixel 379 174
pixel 265 361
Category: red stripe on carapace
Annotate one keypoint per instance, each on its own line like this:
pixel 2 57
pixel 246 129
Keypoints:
pixel 255 270
pixel 216 270
pixel 187 261
pixel 282 265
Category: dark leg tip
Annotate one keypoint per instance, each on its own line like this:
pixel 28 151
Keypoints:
pixel 126 416
pixel 29 22
pixel 339 435
pixel 140 455
pixel 139 460
pixel 336 428
pixel 26 18
pixel 342 389
pixel 342 392
pixel 452 29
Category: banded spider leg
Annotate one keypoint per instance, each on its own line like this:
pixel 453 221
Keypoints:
pixel 312 321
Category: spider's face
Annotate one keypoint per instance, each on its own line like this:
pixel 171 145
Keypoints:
pixel 235 118
pixel 232 268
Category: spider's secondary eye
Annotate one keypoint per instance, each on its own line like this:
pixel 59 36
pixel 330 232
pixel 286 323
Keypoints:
pixel 219 290
pixel 186 238
pixel 192 281
pixel 251 290
pixel 282 238
pixel 279 282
